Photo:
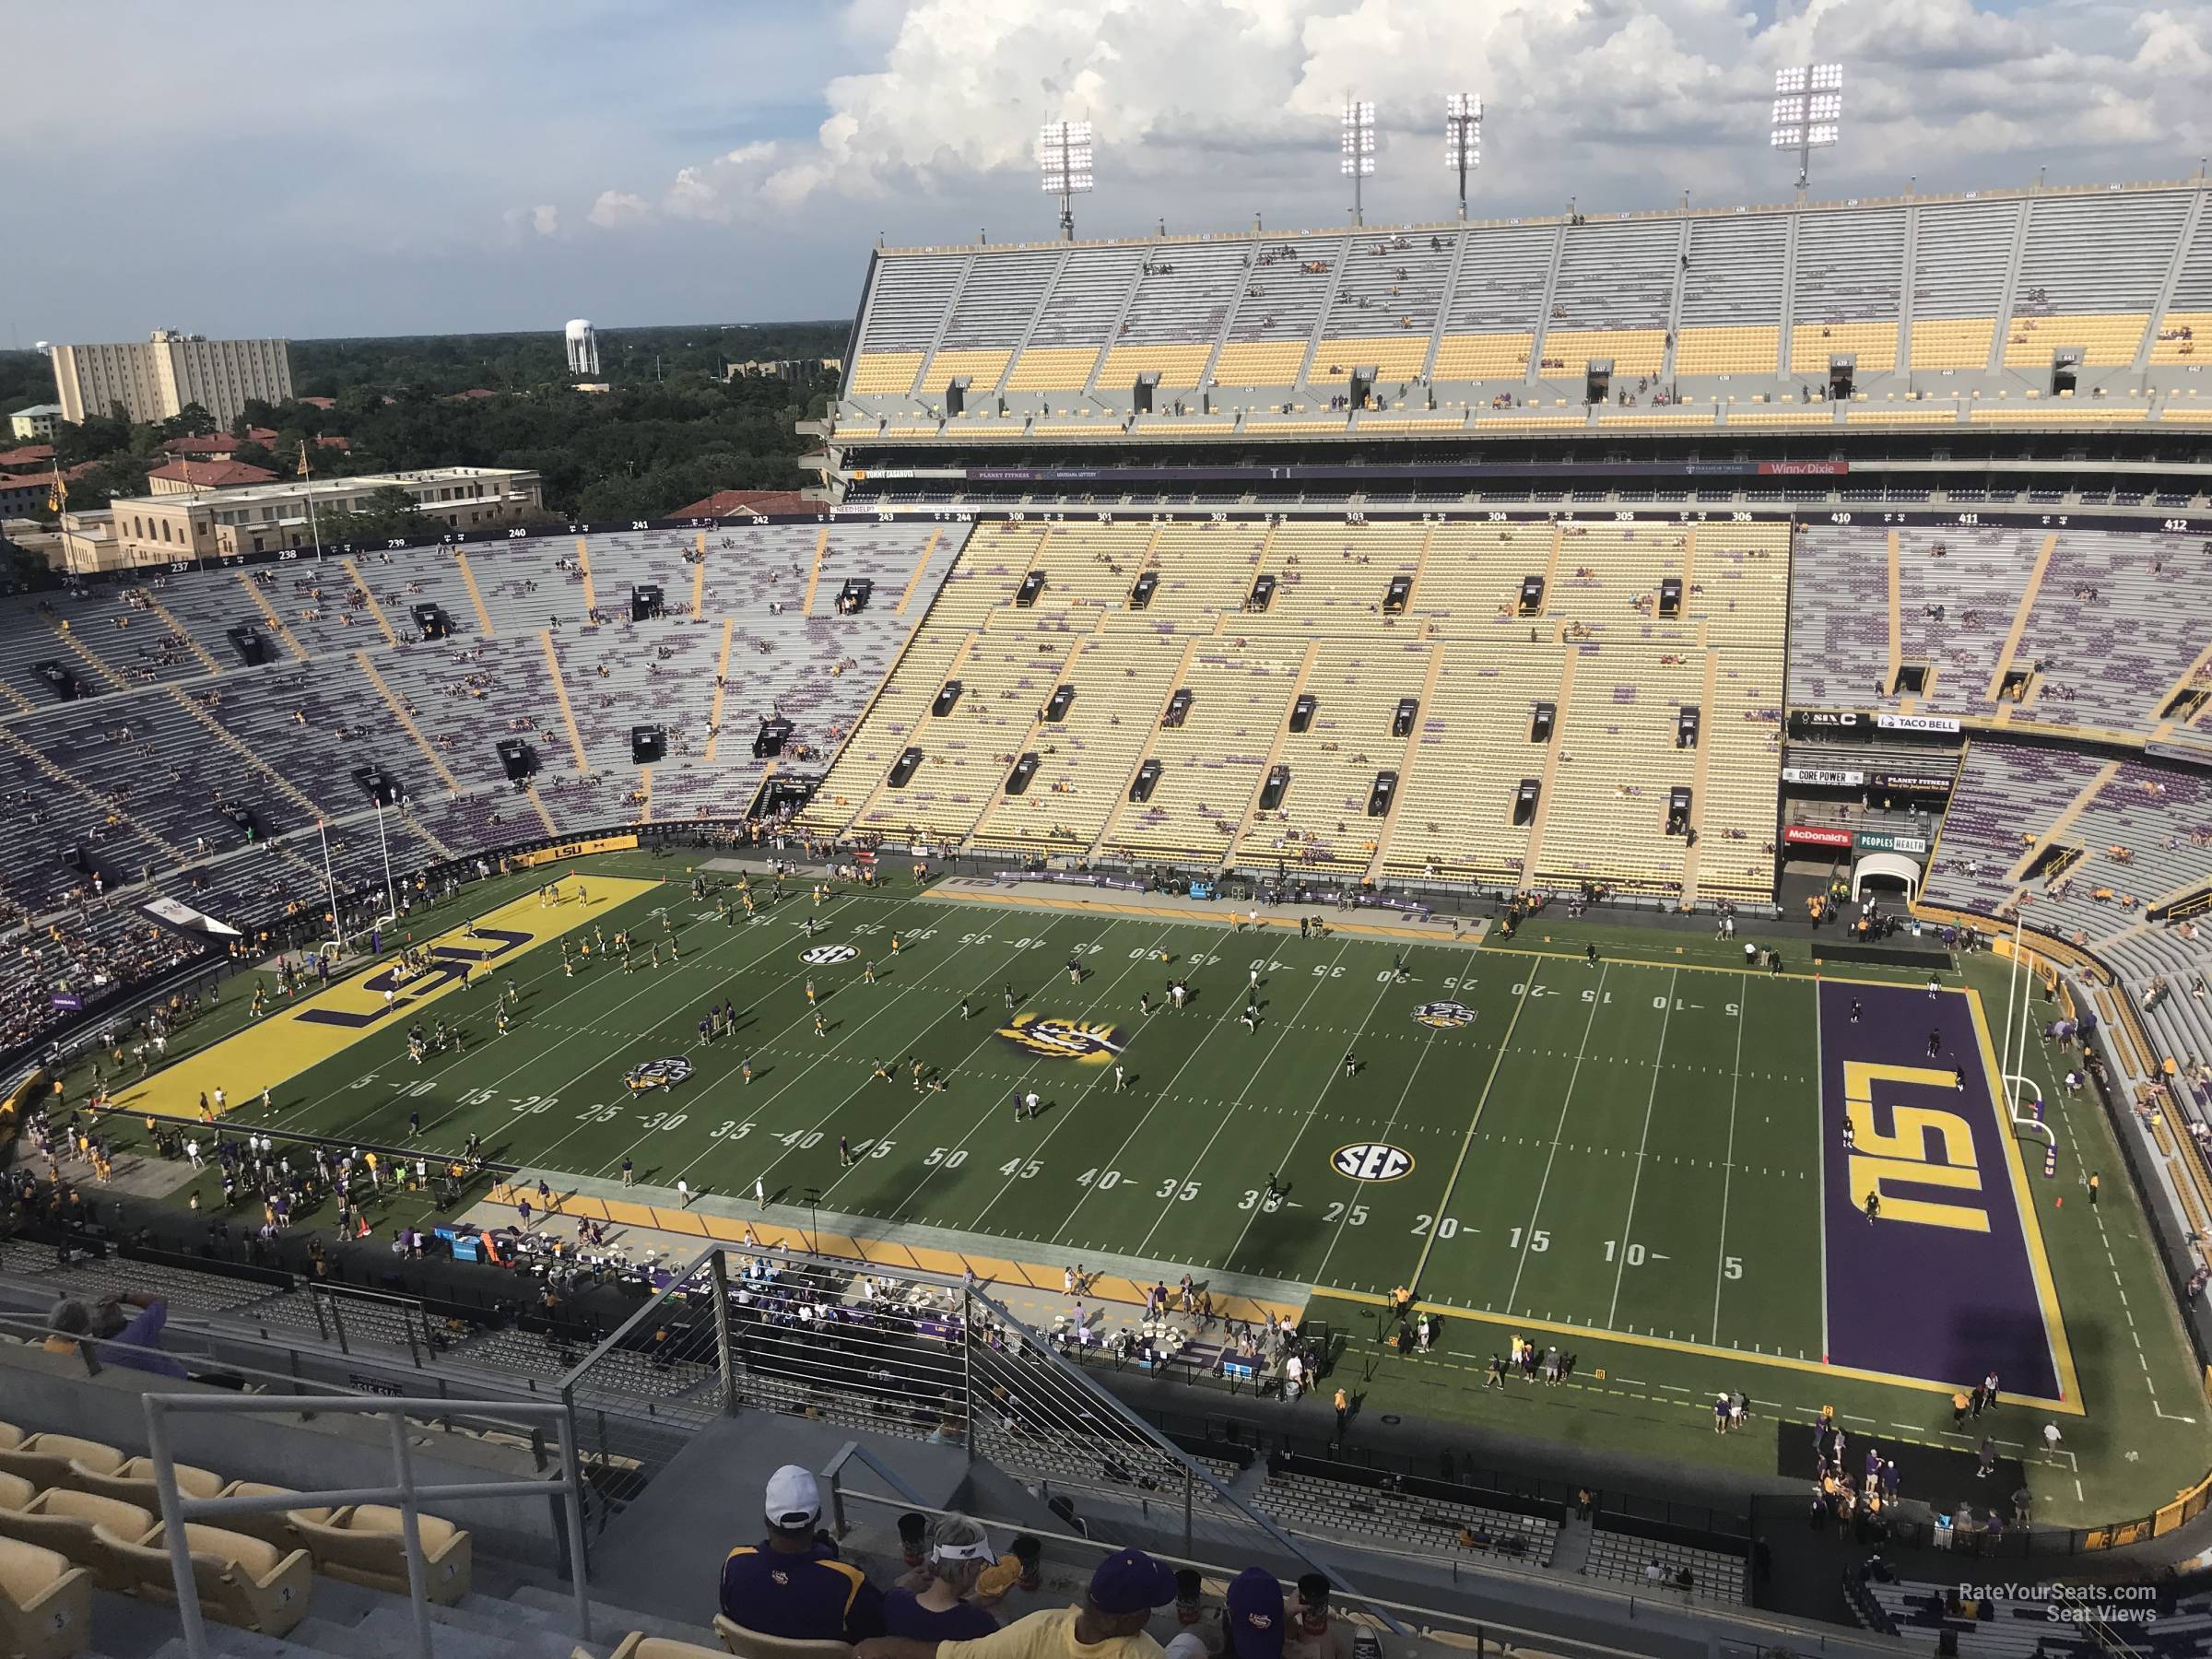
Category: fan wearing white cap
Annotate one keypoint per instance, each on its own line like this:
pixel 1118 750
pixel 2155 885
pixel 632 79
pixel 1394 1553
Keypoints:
pixel 791 1584
pixel 959 1551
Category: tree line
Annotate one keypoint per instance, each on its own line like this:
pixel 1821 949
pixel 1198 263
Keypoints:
pixel 669 430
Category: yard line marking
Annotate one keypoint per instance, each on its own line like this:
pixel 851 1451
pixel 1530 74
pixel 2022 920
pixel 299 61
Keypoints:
pixel 883 1006
pixel 1335 1238
pixel 996 1103
pixel 614 1108
pixel 1566 1105
pixel 653 980
pixel 822 1123
pixel 1130 1139
pixel 1443 1202
pixel 1300 1133
pixel 540 1052
pixel 1062 1118
pixel 1736 1077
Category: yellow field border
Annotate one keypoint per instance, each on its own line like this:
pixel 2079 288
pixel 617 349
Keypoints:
pixel 280 1047
pixel 989 1270
pixel 2023 1198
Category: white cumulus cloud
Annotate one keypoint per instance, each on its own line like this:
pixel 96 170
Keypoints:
pixel 617 207
pixel 1204 106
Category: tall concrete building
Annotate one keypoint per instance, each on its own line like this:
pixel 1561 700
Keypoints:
pixel 155 381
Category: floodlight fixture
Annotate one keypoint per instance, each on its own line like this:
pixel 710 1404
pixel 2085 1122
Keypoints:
pixel 1463 139
pixel 1808 112
pixel 1358 149
pixel 1064 165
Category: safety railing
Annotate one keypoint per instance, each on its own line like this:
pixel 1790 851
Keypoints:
pixel 177 1510
pixel 1665 1616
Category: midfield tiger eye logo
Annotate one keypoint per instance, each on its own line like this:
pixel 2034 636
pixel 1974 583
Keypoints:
pixel 1049 1037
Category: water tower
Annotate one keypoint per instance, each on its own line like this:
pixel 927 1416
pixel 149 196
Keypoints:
pixel 583 347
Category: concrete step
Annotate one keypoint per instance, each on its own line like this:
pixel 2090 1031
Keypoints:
pixel 339 1640
pixel 126 1628
pixel 509 1607
pixel 233 1643
pixel 395 1627
pixel 609 1623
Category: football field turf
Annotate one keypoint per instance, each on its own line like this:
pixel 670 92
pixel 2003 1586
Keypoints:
pixel 1641 1160
pixel 1615 1146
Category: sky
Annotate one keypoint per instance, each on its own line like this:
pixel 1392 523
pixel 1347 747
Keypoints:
pixel 405 166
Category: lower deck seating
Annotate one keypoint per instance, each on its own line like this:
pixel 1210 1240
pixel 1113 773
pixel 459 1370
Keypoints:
pixel 1624 1558
pixel 1431 1526
pixel 1925 1617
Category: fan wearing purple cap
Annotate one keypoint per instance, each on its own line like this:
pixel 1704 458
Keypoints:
pixel 1109 1625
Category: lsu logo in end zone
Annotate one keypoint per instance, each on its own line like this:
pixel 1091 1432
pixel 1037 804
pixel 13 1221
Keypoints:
pixel 1444 1016
pixel 1049 1037
pixel 1370 1160
pixel 824 956
pixel 659 1073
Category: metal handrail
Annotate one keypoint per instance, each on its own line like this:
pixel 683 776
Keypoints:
pixel 177 1509
pixel 1798 1638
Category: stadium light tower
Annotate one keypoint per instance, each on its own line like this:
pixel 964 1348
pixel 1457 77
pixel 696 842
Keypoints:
pixel 1064 166
pixel 1358 150
pixel 1463 139
pixel 1809 111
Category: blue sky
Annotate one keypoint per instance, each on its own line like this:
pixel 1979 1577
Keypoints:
pixel 496 164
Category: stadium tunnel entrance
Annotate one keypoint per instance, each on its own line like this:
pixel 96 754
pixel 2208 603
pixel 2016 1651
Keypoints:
pixel 1886 873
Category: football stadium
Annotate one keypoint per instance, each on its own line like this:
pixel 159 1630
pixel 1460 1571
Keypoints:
pixel 1507 913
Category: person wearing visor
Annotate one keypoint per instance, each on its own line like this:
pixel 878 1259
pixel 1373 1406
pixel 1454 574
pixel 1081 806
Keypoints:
pixel 1110 1624
pixel 790 1583
pixel 957 1552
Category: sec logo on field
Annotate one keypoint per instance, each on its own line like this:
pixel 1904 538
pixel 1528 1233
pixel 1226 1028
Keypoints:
pixel 1370 1160
pixel 824 956
pixel 1444 1016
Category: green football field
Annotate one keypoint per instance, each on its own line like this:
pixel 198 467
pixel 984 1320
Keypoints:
pixel 1623 1157
pixel 1517 1092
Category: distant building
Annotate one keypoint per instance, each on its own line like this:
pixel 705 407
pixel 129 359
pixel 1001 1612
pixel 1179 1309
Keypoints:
pixel 217 445
pixel 35 423
pixel 30 457
pixel 39 541
pixel 583 347
pixel 21 497
pixel 787 369
pixel 193 476
pixel 263 518
pixel 158 379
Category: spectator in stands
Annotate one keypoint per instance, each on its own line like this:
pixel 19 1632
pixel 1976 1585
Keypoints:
pixel 959 1551
pixel 1256 1629
pixel 1110 1624
pixel 792 1584
pixel 134 1340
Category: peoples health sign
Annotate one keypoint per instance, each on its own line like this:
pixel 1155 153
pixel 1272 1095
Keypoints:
pixel 1881 840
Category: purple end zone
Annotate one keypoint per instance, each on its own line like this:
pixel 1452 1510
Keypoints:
pixel 1927 1295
